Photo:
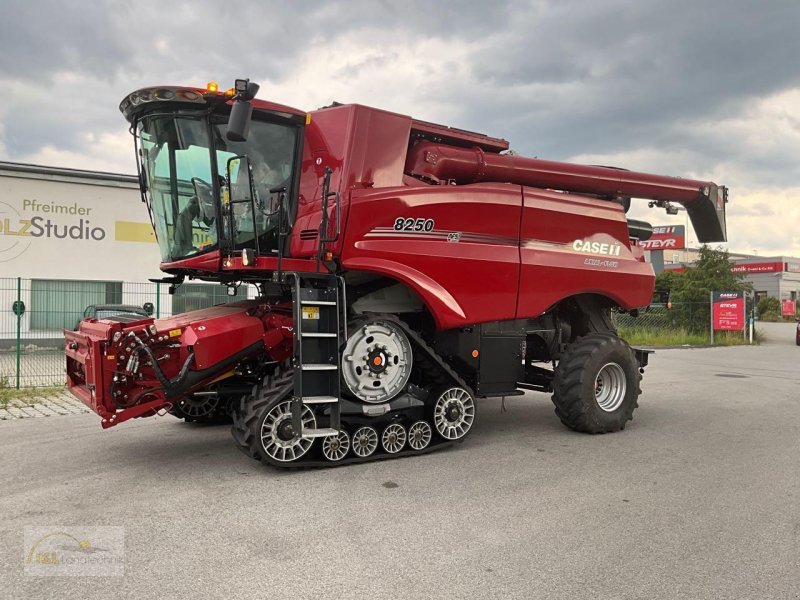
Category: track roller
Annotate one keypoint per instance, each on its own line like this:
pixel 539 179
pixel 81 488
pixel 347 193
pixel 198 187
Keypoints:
pixel 335 447
pixel 419 435
pixel 365 441
pixel 393 438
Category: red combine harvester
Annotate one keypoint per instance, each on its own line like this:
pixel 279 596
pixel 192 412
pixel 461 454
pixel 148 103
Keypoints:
pixel 404 269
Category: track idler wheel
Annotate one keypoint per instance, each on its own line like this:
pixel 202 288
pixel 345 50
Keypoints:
pixel 278 438
pixel 454 413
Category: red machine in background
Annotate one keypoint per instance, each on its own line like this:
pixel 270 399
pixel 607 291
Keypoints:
pixel 403 269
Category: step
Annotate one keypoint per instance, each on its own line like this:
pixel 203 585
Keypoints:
pixel 319 367
pixel 318 303
pixel 318 433
pixel 320 400
pixel 317 335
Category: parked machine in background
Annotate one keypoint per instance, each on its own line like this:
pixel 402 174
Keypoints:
pixel 404 270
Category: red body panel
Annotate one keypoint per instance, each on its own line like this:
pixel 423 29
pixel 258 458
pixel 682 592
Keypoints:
pixel 553 225
pixel 471 279
pixel 365 148
pixel 214 333
pixel 474 267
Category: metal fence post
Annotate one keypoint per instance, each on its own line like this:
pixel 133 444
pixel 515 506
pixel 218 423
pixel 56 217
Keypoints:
pixel 158 300
pixel 19 323
pixel 711 311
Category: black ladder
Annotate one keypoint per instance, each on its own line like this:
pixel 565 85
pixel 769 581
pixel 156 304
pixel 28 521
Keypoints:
pixel 318 326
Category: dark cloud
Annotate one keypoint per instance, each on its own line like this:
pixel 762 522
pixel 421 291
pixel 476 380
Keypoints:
pixel 603 77
pixel 558 79
pixel 40 38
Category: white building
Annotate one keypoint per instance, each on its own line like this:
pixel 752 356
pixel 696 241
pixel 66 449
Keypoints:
pixel 70 238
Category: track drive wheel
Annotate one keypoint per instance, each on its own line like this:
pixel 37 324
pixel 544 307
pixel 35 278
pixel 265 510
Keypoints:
pixel 262 426
pixel 377 359
pixel 596 384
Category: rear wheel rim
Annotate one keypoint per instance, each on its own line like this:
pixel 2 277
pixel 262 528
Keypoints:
pixel 610 387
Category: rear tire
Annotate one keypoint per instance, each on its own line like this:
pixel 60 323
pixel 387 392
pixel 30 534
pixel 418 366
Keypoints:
pixel 596 385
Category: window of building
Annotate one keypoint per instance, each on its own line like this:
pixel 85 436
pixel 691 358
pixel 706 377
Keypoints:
pixel 59 304
pixel 193 296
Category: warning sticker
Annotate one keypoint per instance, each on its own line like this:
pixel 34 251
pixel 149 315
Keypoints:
pixel 174 333
pixel 311 313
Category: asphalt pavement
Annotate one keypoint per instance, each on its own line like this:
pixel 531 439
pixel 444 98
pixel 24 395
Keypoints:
pixel 698 498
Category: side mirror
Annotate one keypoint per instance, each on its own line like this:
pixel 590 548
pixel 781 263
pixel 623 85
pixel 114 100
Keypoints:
pixel 241 111
pixel 239 121
pixel 148 308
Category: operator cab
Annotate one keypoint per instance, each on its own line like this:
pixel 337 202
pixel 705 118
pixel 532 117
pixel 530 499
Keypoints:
pixel 219 171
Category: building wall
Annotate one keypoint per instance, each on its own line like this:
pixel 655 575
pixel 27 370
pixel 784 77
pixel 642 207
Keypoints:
pixel 73 225
pixel 76 238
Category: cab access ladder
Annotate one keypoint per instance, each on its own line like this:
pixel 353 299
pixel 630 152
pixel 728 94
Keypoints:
pixel 319 325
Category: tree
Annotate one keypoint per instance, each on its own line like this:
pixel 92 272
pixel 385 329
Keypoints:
pixel 690 290
pixel 666 280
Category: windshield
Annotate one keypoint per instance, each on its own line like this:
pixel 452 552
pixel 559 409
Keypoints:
pixel 182 191
pixel 105 314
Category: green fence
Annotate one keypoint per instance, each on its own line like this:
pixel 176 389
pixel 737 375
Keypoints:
pixel 34 313
pixel 678 323
pixel 691 316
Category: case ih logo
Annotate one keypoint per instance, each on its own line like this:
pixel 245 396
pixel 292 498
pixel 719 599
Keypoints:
pixel 666 237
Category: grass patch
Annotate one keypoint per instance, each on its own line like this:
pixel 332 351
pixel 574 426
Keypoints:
pixel 650 337
pixel 28 396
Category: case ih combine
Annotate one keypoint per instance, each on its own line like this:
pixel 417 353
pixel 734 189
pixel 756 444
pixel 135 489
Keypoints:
pixel 404 270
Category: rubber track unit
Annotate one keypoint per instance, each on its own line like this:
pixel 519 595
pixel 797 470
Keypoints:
pixel 278 385
pixel 569 378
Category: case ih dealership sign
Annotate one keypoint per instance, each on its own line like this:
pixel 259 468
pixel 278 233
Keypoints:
pixel 668 237
pixel 728 311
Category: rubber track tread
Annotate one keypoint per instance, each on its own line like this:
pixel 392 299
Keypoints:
pixel 275 386
pixel 279 385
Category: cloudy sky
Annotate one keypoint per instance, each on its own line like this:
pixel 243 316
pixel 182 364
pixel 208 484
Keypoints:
pixel 702 89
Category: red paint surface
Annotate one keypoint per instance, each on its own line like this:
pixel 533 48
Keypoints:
pixel 728 311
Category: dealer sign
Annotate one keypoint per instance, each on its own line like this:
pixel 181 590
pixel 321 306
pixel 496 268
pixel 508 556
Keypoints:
pixel 666 237
pixel 728 311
